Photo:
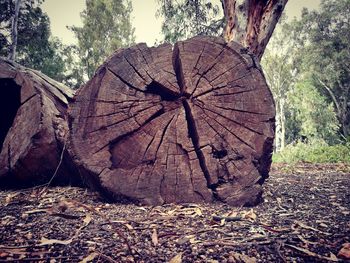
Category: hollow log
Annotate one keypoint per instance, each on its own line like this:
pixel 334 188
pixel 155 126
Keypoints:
pixel 33 128
pixel 189 123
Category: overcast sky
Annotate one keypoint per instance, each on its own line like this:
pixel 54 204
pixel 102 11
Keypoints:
pixel 65 13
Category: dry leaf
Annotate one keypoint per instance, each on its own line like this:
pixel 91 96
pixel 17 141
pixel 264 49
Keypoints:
pixel 198 211
pixel 44 241
pixel 155 237
pixel 243 258
pixel 250 215
pixel 176 259
pixel 87 220
pixel 9 198
pixel 129 227
pixel 312 254
pixel 222 222
pixel 344 251
pixel 89 258
pixel 333 257
pixel 233 213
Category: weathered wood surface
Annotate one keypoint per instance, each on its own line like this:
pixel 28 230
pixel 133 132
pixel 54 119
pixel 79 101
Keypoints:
pixel 33 127
pixel 189 123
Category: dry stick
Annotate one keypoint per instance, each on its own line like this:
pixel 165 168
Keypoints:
pixel 59 164
pixel 37 259
pixel 46 186
pixel 107 258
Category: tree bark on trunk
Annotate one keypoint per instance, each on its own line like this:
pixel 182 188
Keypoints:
pixel 283 124
pixel 33 127
pixel 13 47
pixel 252 22
pixel 193 123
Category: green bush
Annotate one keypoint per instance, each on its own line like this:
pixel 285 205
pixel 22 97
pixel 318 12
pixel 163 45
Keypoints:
pixel 315 152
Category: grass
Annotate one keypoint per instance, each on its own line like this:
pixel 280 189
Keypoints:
pixel 314 153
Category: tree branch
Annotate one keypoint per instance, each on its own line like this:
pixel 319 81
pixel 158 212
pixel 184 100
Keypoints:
pixel 329 90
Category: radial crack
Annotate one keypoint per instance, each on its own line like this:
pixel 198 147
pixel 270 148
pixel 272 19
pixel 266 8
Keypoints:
pixel 177 64
pixel 193 134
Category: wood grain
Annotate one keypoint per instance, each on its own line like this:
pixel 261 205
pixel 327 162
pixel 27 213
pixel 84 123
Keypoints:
pixel 33 127
pixel 189 123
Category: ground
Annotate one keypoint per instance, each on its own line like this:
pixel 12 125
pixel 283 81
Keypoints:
pixel 305 217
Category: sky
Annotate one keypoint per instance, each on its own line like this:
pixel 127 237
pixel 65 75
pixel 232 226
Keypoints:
pixel 63 13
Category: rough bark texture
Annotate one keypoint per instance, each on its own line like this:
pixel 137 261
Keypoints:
pixel 33 127
pixel 252 22
pixel 189 123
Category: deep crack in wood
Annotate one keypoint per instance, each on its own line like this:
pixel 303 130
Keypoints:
pixel 193 123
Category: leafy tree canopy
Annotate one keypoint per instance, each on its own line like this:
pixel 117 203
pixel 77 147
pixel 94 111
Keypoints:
pixel 36 48
pixel 324 39
pixel 106 27
pixel 187 18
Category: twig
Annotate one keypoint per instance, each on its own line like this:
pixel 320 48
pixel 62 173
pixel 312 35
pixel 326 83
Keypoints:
pixel 312 254
pixel 57 167
pixel 107 258
pixel 278 250
pixel 228 218
pixel 37 259
pixel 46 185
pixel 233 244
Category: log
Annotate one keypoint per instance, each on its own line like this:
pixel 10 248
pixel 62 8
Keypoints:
pixel 189 123
pixel 33 128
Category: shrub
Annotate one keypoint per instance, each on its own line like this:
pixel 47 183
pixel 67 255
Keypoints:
pixel 314 152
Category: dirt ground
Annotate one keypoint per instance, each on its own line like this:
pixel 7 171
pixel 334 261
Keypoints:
pixel 305 217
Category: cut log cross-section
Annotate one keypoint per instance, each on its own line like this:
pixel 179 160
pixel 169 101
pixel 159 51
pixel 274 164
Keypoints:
pixel 33 128
pixel 189 123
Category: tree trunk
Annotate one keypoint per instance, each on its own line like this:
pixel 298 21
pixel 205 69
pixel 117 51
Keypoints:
pixel 283 124
pixel 33 127
pixel 278 131
pixel 193 123
pixel 13 47
pixel 252 22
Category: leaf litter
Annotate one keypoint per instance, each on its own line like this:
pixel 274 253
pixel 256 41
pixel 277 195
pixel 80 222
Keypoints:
pixel 305 217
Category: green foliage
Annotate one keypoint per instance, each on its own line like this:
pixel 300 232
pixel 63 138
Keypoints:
pixel 187 18
pixel 35 46
pixel 307 67
pixel 314 152
pixel 106 27
pixel 324 39
pixel 315 117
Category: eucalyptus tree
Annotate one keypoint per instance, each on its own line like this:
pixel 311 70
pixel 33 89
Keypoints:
pixel 106 27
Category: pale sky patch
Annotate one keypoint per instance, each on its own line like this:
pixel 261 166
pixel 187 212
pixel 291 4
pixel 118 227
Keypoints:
pixel 65 13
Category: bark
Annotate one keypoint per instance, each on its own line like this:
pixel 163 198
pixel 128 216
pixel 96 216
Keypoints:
pixel 283 124
pixel 252 22
pixel 13 47
pixel 33 128
pixel 193 123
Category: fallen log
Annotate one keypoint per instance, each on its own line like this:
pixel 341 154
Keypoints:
pixel 189 123
pixel 33 128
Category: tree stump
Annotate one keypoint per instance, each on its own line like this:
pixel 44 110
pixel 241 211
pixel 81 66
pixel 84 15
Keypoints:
pixel 33 127
pixel 189 123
